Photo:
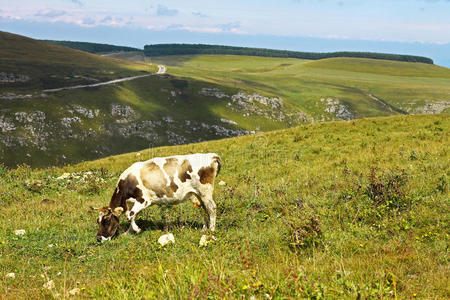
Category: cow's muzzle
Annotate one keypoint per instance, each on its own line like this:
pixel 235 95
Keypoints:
pixel 102 239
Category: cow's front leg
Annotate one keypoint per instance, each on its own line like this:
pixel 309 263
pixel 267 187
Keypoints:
pixel 132 215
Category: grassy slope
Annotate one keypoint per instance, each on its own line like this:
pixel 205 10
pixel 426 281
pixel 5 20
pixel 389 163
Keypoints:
pixel 406 86
pixel 145 96
pixel 274 180
pixel 51 66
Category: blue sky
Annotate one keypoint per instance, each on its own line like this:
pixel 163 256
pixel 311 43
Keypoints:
pixel 309 25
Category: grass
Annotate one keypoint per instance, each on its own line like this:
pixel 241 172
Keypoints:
pixel 405 86
pixel 355 209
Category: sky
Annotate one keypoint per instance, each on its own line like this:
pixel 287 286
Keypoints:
pixel 420 27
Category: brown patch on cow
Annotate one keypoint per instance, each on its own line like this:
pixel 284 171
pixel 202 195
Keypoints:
pixel 207 175
pixel 183 170
pixel 126 188
pixel 153 178
pixel 173 186
pixel 219 164
pixel 131 213
pixel 171 166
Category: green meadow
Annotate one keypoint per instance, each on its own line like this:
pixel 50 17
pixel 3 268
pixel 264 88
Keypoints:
pixel 398 86
pixel 346 210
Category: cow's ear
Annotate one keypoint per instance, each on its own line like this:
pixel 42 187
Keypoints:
pixel 118 211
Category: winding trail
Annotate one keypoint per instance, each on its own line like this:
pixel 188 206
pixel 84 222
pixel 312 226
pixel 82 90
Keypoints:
pixel 161 70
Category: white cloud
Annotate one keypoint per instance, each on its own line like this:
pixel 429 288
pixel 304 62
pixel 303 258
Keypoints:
pixel 50 13
pixel 165 11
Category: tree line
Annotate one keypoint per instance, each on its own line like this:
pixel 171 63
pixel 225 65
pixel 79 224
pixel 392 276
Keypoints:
pixel 93 47
pixel 187 49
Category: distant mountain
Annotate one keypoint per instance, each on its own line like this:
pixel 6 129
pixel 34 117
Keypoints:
pixel 186 49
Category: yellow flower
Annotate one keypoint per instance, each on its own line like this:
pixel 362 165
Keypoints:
pixel 245 287
pixel 414 295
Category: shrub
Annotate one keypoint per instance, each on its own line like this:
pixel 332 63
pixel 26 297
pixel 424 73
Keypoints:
pixel 305 232
pixel 303 225
pixel 387 191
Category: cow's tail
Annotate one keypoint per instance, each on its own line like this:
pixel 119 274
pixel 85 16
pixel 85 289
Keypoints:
pixel 219 164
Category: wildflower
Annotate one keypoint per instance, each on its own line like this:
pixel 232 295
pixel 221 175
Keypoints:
pixel 49 285
pixel 245 287
pixel 19 232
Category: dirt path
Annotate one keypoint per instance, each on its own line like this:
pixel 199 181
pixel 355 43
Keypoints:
pixel 161 70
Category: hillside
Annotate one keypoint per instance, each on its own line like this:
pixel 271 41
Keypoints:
pixel 29 65
pixel 342 88
pixel 352 209
pixel 201 98
pixel 93 47
pixel 190 49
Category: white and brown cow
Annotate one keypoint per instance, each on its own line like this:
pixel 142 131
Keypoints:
pixel 161 181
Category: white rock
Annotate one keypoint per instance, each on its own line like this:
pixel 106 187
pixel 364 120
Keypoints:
pixel 19 232
pixel 205 240
pixel 10 275
pixel 222 182
pixel 74 291
pixel 63 176
pixel 49 285
pixel 166 239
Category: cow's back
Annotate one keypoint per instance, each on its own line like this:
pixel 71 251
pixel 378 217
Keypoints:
pixel 170 179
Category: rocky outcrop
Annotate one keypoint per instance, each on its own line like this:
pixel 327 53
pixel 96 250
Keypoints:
pixel 123 113
pixel 336 109
pixel 6 124
pixel 244 99
pixel 213 92
pixel 83 111
pixel 228 121
pixel 12 96
pixel 13 78
pixel 67 121
pixel 431 108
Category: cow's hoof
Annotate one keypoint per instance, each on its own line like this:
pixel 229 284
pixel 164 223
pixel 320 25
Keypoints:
pixel 138 231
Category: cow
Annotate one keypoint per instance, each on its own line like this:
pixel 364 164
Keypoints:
pixel 161 181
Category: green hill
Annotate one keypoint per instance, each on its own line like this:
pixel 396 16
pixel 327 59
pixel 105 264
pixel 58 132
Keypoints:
pixel 337 210
pixel 326 89
pixel 29 65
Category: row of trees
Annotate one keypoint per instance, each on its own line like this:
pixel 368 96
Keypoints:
pixel 186 49
pixel 93 47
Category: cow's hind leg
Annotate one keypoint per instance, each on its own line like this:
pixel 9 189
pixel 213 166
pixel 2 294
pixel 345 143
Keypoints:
pixel 210 209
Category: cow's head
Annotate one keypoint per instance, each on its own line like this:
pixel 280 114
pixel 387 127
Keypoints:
pixel 108 222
